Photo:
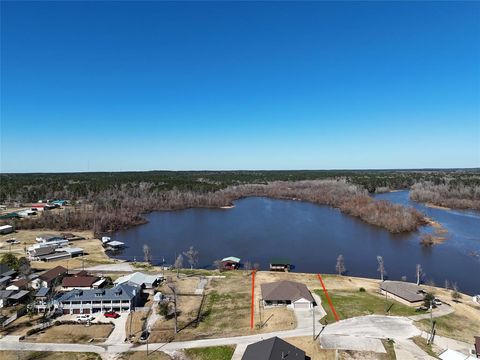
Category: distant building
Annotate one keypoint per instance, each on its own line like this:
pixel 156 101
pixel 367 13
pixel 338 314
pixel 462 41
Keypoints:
pixel 140 280
pixel 41 300
pixel 120 298
pixel 404 292
pixel 50 277
pixel 83 282
pixel 230 263
pixel 280 265
pixel 273 349
pixel 6 229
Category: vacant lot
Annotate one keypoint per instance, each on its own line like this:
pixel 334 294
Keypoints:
pixel 72 334
pixel 134 324
pixel 21 325
pixel 225 310
pixel 45 355
pixel 356 303
pixel 211 353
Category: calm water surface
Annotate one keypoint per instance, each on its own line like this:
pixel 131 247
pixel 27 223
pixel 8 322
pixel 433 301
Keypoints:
pixel 312 236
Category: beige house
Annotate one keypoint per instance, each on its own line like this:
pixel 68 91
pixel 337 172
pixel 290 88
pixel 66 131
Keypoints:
pixel 287 293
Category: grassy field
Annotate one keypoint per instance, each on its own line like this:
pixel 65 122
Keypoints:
pixel 80 334
pixel 136 319
pixel 356 303
pixel 45 355
pixel 456 326
pixel 211 353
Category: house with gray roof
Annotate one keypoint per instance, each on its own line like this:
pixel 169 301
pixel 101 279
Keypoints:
pixel 120 298
pixel 287 293
pixel 404 292
pixel 273 349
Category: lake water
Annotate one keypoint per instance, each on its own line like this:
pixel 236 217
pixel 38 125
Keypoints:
pixel 312 236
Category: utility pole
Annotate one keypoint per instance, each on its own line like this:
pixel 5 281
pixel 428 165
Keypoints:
pixel 313 320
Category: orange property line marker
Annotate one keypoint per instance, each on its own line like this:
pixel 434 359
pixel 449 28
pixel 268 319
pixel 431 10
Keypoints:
pixel 253 300
pixel 328 297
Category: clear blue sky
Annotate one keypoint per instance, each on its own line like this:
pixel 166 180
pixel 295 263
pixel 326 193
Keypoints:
pixel 89 86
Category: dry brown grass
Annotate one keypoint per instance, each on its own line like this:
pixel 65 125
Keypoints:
pixel 142 355
pixel 312 348
pixel 47 355
pixel 72 334
pixel 225 312
pixel 136 318
pixel 21 325
pixel 461 325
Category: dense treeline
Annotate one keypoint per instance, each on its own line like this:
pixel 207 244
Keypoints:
pixel 450 194
pixel 115 209
pixel 111 201
pixel 32 187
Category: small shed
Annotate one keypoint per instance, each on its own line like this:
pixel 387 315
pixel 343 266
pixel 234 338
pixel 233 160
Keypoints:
pixel 231 263
pixel 6 229
pixel 280 264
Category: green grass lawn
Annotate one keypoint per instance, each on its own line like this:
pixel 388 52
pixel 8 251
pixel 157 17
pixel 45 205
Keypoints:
pixel 422 344
pixel 356 303
pixel 211 353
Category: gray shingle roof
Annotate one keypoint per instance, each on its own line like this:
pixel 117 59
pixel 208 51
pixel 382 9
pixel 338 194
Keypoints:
pixel 42 292
pixel 273 349
pixel 119 292
pixel 404 290
pixel 285 290
pixel 19 295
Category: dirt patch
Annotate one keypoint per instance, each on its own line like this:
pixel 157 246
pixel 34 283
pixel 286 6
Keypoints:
pixel 134 324
pixel 77 333
pixel 47 355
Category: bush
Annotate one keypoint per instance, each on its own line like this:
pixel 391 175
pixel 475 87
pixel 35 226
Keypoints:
pixel 57 323
pixel 362 289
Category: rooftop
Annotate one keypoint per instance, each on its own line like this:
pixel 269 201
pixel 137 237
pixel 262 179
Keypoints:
pixel 285 290
pixel 273 349
pixel 407 291
pixel 119 292
pixel 79 281
pixel 53 273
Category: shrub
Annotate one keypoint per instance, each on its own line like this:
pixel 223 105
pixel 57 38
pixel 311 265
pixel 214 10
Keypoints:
pixel 57 323
pixel 362 289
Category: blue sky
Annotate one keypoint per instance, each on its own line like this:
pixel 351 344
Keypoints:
pixel 90 86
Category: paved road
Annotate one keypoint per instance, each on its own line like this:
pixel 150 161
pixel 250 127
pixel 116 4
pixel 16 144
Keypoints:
pixel 121 267
pixel 408 350
pixel 442 310
pixel 364 332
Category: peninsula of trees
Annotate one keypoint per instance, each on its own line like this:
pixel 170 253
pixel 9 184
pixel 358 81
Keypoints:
pixel 111 201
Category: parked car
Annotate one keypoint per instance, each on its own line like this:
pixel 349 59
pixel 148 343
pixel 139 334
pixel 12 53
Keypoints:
pixel 421 308
pixel 437 302
pixel 111 314
pixel 144 336
pixel 85 318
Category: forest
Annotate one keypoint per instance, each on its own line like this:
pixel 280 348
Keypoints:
pixel 107 202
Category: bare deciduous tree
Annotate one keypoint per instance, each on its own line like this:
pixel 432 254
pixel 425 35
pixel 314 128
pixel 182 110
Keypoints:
pixel 340 266
pixel 218 265
pixel 419 273
pixel 247 265
pixel 381 267
pixel 192 256
pixel 147 255
pixel 178 263
pixel 447 284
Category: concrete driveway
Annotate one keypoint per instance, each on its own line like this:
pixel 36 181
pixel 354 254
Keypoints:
pixel 119 332
pixel 364 333
pixel 374 326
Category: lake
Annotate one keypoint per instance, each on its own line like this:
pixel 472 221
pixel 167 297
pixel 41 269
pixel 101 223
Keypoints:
pixel 312 236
